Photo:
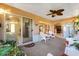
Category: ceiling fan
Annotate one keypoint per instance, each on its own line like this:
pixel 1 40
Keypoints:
pixel 54 13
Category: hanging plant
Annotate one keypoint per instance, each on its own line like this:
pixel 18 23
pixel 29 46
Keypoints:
pixel 76 23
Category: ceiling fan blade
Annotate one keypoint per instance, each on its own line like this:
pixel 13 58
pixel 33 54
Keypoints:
pixel 49 14
pixel 60 14
pixel 51 10
pixel 60 10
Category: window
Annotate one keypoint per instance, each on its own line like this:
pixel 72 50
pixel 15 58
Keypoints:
pixel 12 28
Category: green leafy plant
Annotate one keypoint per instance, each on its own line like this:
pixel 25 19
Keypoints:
pixel 76 23
pixel 11 42
pixel 9 48
pixel 19 52
pixel 76 45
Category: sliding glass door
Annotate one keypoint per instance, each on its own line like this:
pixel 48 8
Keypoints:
pixel 17 28
pixel 12 27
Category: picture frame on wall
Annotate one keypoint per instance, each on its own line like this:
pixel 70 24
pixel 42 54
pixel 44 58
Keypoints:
pixel 58 29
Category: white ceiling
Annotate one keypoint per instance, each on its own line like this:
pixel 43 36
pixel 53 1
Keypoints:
pixel 41 9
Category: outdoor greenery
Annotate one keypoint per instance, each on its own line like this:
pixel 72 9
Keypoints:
pixel 77 23
pixel 9 48
pixel 76 45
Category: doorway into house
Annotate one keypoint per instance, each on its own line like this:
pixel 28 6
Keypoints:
pixel 27 30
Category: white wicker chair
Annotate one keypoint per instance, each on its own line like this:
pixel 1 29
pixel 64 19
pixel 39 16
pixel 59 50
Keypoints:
pixel 43 36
